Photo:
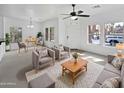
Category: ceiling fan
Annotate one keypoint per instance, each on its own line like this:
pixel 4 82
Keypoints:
pixel 74 15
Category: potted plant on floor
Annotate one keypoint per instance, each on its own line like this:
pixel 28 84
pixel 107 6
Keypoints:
pixel 39 34
pixel 7 41
pixel 40 38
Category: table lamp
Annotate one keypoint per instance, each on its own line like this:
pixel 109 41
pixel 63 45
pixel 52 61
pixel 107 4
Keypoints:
pixel 119 47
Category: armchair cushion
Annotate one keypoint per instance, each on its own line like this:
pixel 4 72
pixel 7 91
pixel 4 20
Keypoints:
pixel 43 53
pixel 40 49
pixel 63 53
pixel 44 60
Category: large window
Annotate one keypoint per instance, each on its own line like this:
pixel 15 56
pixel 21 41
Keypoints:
pixel 15 34
pixel 94 34
pixel 114 33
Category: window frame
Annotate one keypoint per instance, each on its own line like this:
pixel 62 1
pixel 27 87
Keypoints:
pixel 116 34
pixel 91 34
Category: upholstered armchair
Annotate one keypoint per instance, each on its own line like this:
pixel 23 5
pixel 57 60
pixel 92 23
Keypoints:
pixel 42 61
pixel 62 53
pixel 21 45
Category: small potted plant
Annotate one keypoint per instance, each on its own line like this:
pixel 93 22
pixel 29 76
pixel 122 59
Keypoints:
pixel 75 56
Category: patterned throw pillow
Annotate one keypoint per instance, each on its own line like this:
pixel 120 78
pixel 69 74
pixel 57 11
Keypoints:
pixel 61 48
pixel 117 62
pixel 111 83
pixel 43 53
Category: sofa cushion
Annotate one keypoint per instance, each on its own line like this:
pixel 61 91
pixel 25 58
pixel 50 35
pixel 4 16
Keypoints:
pixel 105 75
pixel 122 76
pixel 122 82
pixel 111 83
pixel 44 60
pixel 111 68
pixel 122 70
pixel 96 85
pixel 117 63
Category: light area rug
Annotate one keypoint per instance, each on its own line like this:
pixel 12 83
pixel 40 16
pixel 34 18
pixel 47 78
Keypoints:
pixel 85 80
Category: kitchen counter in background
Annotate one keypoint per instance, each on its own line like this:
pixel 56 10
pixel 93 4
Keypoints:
pixel 2 50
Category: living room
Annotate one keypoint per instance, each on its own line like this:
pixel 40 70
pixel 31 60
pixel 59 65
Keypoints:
pixel 25 33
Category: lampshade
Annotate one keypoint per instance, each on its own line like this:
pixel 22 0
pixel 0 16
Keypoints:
pixel 120 46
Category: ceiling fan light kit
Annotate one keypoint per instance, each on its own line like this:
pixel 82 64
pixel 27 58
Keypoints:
pixel 74 15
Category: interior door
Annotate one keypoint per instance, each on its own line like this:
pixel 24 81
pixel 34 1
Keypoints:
pixel 73 36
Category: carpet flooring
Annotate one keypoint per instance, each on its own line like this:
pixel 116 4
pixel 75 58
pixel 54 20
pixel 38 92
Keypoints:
pixel 14 66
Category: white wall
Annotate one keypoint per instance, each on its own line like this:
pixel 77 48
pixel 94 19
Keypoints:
pixel 61 31
pixel 1 27
pixel 100 19
pixel 51 23
pixel 8 22
pixel 77 31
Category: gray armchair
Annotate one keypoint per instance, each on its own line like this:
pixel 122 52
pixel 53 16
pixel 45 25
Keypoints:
pixel 40 62
pixel 62 54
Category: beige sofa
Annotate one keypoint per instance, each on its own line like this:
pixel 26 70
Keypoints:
pixel 40 62
pixel 109 72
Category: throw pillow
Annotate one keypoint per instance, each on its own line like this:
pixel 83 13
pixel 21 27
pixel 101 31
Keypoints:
pixel 43 53
pixel 117 62
pixel 40 49
pixel 61 48
pixel 111 83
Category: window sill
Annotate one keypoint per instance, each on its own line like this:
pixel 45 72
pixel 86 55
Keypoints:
pixel 101 45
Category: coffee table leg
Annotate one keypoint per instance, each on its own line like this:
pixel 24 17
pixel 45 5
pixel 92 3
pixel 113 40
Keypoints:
pixel 62 71
pixel 86 67
pixel 73 78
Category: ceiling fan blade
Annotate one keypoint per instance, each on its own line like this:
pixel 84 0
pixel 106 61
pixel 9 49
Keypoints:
pixel 80 11
pixel 83 15
pixel 67 17
pixel 65 14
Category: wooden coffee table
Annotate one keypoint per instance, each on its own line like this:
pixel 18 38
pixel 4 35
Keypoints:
pixel 74 69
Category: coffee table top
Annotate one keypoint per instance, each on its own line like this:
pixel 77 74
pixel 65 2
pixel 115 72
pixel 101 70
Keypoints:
pixel 70 65
pixel 122 56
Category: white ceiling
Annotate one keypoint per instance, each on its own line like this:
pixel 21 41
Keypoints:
pixel 41 12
